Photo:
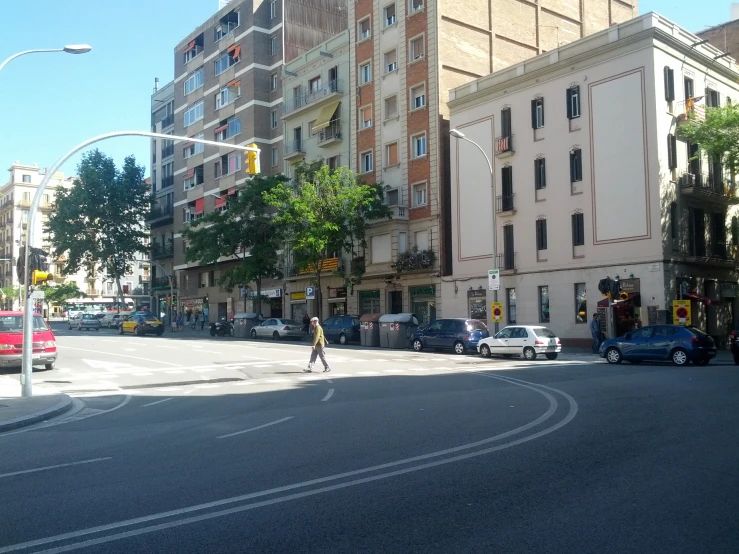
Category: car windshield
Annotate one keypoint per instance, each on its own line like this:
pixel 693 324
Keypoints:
pixel 14 324
pixel 355 321
pixel 544 332
pixel 88 316
pixel 289 321
pixel 475 325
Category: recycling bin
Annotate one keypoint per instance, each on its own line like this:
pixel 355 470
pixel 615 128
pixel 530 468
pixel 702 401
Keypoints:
pixel 369 330
pixel 243 323
pixel 396 330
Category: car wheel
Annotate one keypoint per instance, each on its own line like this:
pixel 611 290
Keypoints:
pixel 160 332
pixel 342 338
pixel 49 367
pixel 702 361
pixel 417 345
pixel 275 336
pixel 529 353
pixel 613 356
pixel 551 355
pixel 459 347
pixel 120 330
pixel 679 357
pixel 253 334
pixel 485 351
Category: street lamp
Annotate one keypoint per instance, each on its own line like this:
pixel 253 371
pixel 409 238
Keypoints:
pixel 27 355
pixel 69 49
pixel 460 135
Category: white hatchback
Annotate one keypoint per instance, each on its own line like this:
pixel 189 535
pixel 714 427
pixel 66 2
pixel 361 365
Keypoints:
pixel 527 341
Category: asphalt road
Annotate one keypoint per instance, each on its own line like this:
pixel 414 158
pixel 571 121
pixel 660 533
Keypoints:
pixel 184 445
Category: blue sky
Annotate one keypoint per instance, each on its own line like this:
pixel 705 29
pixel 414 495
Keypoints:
pixel 51 102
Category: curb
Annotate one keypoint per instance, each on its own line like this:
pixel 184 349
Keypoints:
pixel 64 405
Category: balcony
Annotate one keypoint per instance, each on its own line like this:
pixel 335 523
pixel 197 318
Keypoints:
pixel 92 292
pixel 167 182
pixel 24 203
pixel 294 150
pixel 507 262
pixel 329 264
pixel 504 204
pixel 707 188
pixel 167 151
pixel 160 283
pixel 160 215
pixel 504 146
pixel 167 121
pixel 690 109
pixel 162 251
pixel 330 91
pixel 414 260
pixel 721 251
pixel 399 212
pixel 330 135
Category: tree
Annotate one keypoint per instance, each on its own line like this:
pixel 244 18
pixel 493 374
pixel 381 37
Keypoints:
pixel 717 135
pixel 8 294
pixel 98 222
pixel 324 211
pixel 59 294
pixel 246 231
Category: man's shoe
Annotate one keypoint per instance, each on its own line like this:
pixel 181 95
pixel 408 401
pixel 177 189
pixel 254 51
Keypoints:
pixel 326 370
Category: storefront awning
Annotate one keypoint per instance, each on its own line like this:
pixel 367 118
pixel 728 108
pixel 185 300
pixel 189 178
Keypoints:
pixel 699 298
pixel 324 118
pixel 629 299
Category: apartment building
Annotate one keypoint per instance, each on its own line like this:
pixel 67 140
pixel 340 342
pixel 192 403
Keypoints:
pixel 405 56
pixel 593 180
pixel 725 37
pixel 228 87
pixel 316 125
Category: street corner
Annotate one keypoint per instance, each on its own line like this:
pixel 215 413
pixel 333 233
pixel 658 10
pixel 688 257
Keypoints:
pixel 16 412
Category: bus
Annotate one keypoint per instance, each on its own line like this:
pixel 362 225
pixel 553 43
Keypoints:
pixel 96 306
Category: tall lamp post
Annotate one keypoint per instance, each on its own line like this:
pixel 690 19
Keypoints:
pixel 27 356
pixel 171 286
pixel 69 49
pixel 460 135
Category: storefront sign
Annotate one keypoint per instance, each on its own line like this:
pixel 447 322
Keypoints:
pixel 272 293
pixel 476 293
pixel 192 303
pixel 429 290
pixel 728 290
pixel 338 292
pixel 681 312
pixel 367 294
pixel 497 311
pixel 630 285
pixel 297 296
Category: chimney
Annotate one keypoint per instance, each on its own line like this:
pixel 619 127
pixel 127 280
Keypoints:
pixel 156 84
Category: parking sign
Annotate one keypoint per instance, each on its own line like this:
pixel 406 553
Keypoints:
pixel 310 293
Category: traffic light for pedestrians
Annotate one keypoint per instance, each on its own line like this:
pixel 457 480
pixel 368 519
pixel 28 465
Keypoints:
pixel 252 160
pixel 40 277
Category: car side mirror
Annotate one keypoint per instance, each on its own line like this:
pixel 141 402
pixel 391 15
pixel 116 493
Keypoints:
pixel 627 336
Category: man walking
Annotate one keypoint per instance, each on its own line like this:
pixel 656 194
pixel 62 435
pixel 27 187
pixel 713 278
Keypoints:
pixel 595 332
pixel 319 341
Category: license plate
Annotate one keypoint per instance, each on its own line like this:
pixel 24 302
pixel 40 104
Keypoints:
pixel 551 348
pixel 36 356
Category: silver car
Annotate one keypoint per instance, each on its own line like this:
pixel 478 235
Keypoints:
pixel 278 328
pixel 85 321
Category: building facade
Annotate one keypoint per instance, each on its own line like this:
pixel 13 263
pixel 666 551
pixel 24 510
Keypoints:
pixel 228 87
pixel 593 180
pixel 724 37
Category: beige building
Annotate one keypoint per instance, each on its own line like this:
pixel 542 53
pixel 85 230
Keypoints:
pixel 592 180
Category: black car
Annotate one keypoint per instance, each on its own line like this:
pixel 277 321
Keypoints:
pixel 341 328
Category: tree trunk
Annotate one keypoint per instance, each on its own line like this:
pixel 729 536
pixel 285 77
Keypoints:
pixel 259 295
pixel 318 290
pixel 120 292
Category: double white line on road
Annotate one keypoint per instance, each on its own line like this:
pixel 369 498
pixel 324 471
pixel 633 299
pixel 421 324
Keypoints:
pixel 57 466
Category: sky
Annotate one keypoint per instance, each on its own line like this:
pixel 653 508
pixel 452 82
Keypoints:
pixel 49 103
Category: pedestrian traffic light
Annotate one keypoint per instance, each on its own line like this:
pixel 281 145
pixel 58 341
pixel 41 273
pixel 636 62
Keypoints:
pixel 252 160
pixel 40 277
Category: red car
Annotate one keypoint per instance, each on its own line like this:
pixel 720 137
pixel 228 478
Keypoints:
pixel 11 341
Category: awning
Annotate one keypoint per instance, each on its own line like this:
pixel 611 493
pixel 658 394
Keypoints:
pixel 324 118
pixel 220 201
pixel 232 191
pixel 233 83
pixel 235 50
pixel 190 46
pixel 221 128
pixel 190 173
pixel 698 297
pixel 199 206
pixel 188 144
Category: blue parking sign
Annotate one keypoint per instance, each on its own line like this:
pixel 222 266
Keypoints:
pixel 310 293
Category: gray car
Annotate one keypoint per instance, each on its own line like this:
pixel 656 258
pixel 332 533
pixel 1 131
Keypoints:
pixel 278 328
pixel 85 321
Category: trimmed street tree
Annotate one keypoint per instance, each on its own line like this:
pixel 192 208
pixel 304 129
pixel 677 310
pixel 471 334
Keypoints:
pixel 324 211
pixel 717 135
pixel 98 222
pixel 245 231
pixel 60 293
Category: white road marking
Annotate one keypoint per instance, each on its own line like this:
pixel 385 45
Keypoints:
pixel 203 369
pixel 142 373
pixel 189 391
pixel 255 428
pixel 207 386
pixel 35 470
pixel 278 380
pixel 114 354
pixel 242 383
pixel 261 365
pixel 330 381
pixel 419 368
pixel 340 375
pixel 329 394
pixel 367 373
pixel 129 349
pixel 173 371
pixel 157 402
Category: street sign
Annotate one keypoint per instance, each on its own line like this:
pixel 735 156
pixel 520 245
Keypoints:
pixel 310 293
pixel 681 312
pixel 38 295
pixel 497 311
pixel 494 279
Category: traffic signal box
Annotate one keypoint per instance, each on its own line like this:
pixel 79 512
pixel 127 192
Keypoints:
pixel 41 277
pixel 252 161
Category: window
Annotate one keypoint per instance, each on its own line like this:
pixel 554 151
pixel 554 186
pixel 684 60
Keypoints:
pixel 422 240
pixel 227 59
pixel 26 178
pixel 381 248
pixel 194 48
pixel 416 5
pixel 688 87
pixel 418 97
pixel 228 129
pixel 391 107
pixel 273 81
pixel 576 165
pixel 273 118
pixel 273 9
pixel 544 304
pixel 511 305
pixel 391 61
pixel 506 197
pixel 365 73
pixel 419 196
pixel 416 48
pixel 227 165
pixel 194 81
pixel 402 242
pixel 537 113
pixel 578 230
pixel 275 157
pixel 226 25
pixel 364 29
pixel 505 122
pixel 581 304
pixel 366 159
pixel 712 98
pixel 541 234
pixel 274 47
pixel 675 223
pixel 573 102
pixel 194 113
pixel 193 178
pixel 228 94
pixel 333 162
pixel 669 75
pixel 314 84
pixel 671 151
pixel 389 13
pixel 734 228
pixel 418 146
pixel 540 174
pixel 194 148
pixel 391 154
pixel 392 197
pixel 365 117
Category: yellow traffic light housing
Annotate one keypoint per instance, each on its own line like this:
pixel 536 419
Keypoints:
pixel 40 277
pixel 252 160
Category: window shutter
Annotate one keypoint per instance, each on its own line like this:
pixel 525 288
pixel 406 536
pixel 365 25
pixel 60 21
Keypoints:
pixel 543 172
pixel 669 84
pixel 672 151
pixel 533 114
pixel 542 112
pixel 569 103
pixel 574 229
pixel 572 167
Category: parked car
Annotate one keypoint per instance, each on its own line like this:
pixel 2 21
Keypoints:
pixel 11 341
pixel 278 328
pixel 112 319
pixel 734 346
pixel 459 335
pixel 527 341
pixel 341 328
pixel 674 343
pixel 85 321
pixel 142 323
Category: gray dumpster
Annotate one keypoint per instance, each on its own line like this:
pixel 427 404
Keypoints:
pixel 396 330
pixel 243 322
pixel 369 330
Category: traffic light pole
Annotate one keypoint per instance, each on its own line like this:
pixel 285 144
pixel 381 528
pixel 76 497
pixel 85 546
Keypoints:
pixel 27 356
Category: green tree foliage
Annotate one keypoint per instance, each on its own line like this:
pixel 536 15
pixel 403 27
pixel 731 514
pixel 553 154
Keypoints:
pixel 245 231
pixel 98 222
pixel 8 294
pixel 717 135
pixel 324 211
pixel 59 294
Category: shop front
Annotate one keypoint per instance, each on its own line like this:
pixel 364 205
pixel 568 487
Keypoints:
pixel 477 304
pixel 625 309
pixel 369 302
pixel 193 307
pixel 298 306
pixel 336 301
pixel 271 302
pixel 423 303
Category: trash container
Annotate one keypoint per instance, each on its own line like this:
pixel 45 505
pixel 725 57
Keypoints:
pixel 369 330
pixel 243 322
pixel 396 330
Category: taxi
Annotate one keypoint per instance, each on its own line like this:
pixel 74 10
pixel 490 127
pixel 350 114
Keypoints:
pixel 142 323
pixel 11 341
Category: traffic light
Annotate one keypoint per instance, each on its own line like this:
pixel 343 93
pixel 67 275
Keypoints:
pixel 40 277
pixel 252 160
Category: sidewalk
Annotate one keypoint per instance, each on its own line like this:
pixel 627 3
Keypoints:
pixel 16 412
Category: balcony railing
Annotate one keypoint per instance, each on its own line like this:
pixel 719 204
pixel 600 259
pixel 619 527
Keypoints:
pixel 709 186
pixel 168 151
pixel 399 212
pixel 414 260
pixel 507 261
pixel 690 109
pixel 167 121
pixel 714 251
pixel 330 133
pixel 294 148
pixel 167 181
pixel 504 144
pixel 161 283
pixel 504 203
pixel 162 251
pixel 301 100
pixel 160 214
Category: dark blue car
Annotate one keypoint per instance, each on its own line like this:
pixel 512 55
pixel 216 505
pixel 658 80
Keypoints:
pixel 459 335
pixel 673 343
pixel 341 328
